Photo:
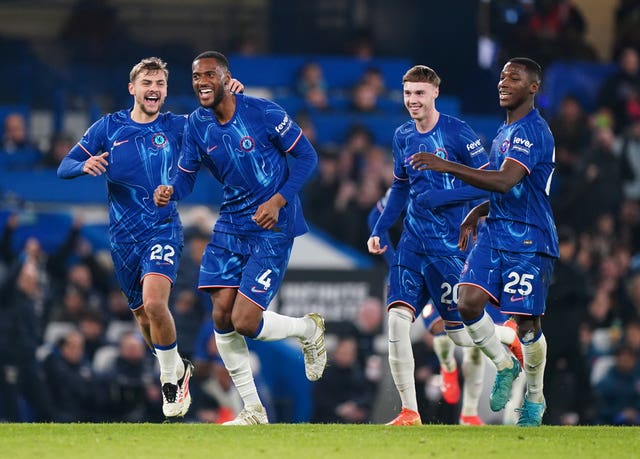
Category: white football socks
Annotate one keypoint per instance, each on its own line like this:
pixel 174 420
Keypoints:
pixel 401 356
pixel 535 360
pixel 235 355
pixel 483 334
pixel 276 327
pixel 473 376
pixel 443 347
pixel 170 363
pixel 506 335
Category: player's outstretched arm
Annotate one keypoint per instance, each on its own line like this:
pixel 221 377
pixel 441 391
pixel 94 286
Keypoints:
pixel 503 180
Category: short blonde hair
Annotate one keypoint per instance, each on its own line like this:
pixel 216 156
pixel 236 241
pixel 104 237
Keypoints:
pixel 421 74
pixel 148 64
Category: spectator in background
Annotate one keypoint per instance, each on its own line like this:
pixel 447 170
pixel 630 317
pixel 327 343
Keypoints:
pixel 72 306
pixel 60 145
pixel 628 148
pixel 557 27
pixel 308 128
pixel 91 325
pixel 343 395
pixel 189 306
pixel 72 382
pixel 374 78
pixel 599 185
pixel 629 224
pixel 17 151
pixel 312 87
pixel 599 332
pixel 633 290
pixel 626 30
pixel 80 276
pixel 362 45
pixel 620 93
pixel 93 33
pixel 353 152
pixel 130 384
pixel 618 392
pixel 310 77
pixel 321 193
pixel 570 128
pixel 567 374
pixel 24 293
pixel 364 98
pixel 369 325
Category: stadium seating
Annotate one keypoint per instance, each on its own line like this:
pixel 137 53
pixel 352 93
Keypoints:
pixel 581 79
pixel 276 76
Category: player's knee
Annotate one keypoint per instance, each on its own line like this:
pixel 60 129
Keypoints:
pixel 154 307
pixel 469 310
pixel 471 303
pixel 242 328
pixel 245 324
pixel 527 333
pixel 141 317
pixel 528 330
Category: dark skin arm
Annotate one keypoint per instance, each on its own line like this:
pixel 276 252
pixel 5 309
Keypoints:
pixel 503 180
pixel 469 225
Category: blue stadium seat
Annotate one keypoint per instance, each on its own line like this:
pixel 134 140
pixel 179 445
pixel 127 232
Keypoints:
pixel 281 71
pixel 581 79
pixel 334 127
pixel 449 105
pixel 486 126
pixel 50 228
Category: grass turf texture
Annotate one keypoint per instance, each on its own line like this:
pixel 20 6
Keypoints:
pixel 309 441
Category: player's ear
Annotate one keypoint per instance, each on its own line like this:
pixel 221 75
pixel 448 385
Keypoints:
pixel 533 87
pixel 130 86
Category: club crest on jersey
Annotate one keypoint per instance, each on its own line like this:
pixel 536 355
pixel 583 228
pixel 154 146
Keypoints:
pixel 247 143
pixel 504 146
pixel 159 140
pixel 441 153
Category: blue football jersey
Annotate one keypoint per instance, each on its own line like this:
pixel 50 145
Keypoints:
pixel 141 157
pixel 521 220
pixel 248 156
pixel 435 230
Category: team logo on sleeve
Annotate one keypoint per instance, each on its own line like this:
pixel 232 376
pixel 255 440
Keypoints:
pixel 247 144
pixel 284 125
pixel 522 145
pixel 475 148
pixel 159 140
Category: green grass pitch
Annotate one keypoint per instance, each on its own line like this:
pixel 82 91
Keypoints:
pixel 310 441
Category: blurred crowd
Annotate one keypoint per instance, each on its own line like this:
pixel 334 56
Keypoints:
pixel 69 349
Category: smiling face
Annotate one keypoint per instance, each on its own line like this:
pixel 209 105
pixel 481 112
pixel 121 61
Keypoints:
pixel 419 99
pixel 209 79
pixel 515 87
pixel 149 91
